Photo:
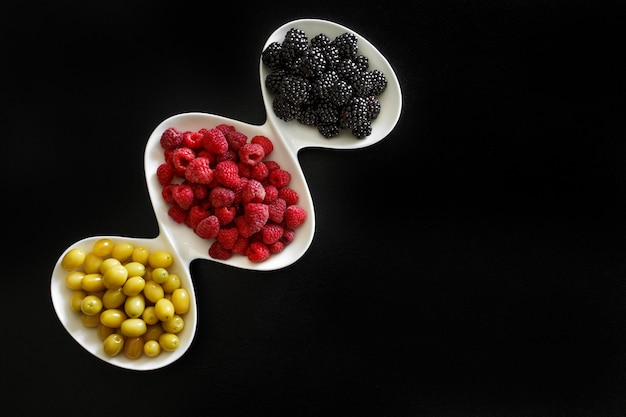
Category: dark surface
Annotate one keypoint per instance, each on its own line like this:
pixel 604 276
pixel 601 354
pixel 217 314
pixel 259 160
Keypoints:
pixel 470 264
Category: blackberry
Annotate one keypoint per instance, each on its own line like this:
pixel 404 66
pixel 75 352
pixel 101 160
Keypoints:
pixel 321 40
pixel 362 62
pixel 295 89
pixel 327 113
pixel 354 114
pixel 347 45
pixel 348 70
pixel 323 84
pixel 363 84
pixel 373 105
pixel 313 62
pixel 308 116
pixel 285 109
pixel 292 48
pixel 340 93
pixel 331 53
pixel 362 130
pixel 271 56
pixel 329 130
pixel 379 82
pixel 273 80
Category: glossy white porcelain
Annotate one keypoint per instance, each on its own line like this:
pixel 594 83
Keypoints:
pixel 288 138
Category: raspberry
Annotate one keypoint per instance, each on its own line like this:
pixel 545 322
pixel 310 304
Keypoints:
pixel 183 196
pixel 225 128
pixel 235 140
pixel 251 153
pixel 252 192
pixel 276 210
pixel 214 141
pixel 225 214
pixel 171 138
pixel 227 237
pixel 279 178
pixel 166 193
pixel 227 173
pixel 217 251
pixel 272 165
pixel 200 191
pixel 229 155
pixel 221 197
pixel 258 252
pixel 198 170
pixel 241 245
pixel 165 173
pixel 276 247
pixel 289 195
pixel 245 171
pixel 271 232
pixel 256 214
pixel 208 227
pixel 181 158
pixel 271 193
pixel 227 193
pixel 259 171
pixel 288 236
pixel 244 227
pixel 178 214
pixel 192 140
pixel 196 215
pixel 265 142
pixel 294 216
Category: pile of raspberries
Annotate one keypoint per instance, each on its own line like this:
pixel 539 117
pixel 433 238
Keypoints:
pixel 224 187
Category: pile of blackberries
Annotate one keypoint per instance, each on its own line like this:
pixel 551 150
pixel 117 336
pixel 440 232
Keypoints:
pixel 323 83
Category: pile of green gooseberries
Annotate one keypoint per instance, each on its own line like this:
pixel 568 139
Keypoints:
pixel 129 295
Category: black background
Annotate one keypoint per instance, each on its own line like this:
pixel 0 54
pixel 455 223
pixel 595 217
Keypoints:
pixel 472 263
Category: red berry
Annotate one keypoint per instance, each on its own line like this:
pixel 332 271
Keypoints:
pixel 225 214
pixel 271 193
pixel 196 215
pixel 258 252
pixel 177 213
pixel 265 142
pixel 199 170
pixel 183 196
pixel 259 171
pixel 272 165
pixel 294 216
pixel 252 192
pixel 288 236
pixel 256 214
pixel 235 140
pixel 192 140
pixel 225 128
pixel 227 173
pixel 251 153
pixel 165 173
pixel 279 177
pixel 271 232
pixel 289 195
pixel 221 197
pixel 181 158
pixel 208 227
pixel 241 245
pixel 276 247
pixel 214 141
pixel 276 210
pixel 217 251
pixel 171 138
pixel 228 237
